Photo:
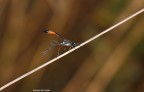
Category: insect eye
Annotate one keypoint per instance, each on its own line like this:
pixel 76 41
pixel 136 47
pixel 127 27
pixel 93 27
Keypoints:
pixel 73 44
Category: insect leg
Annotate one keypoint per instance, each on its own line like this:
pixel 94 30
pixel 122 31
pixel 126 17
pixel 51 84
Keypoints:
pixel 70 47
pixel 65 49
pixel 59 51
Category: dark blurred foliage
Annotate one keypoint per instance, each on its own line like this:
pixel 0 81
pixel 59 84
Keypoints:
pixel 112 63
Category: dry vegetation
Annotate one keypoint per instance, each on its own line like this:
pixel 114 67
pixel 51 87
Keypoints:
pixel 112 63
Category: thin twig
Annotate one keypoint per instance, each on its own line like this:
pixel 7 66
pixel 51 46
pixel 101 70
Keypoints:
pixel 82 44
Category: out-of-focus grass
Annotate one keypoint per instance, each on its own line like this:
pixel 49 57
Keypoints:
pixel 112 63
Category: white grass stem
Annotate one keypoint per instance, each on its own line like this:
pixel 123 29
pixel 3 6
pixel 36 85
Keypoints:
pixel 82 44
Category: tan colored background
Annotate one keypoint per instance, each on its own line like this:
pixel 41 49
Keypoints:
pixel 111 63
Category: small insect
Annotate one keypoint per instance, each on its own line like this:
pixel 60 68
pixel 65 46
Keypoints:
pixel 63 43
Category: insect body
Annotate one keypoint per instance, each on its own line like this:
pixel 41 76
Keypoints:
pixel 63 43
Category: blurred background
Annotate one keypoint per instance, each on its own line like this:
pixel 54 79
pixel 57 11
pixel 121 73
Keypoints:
pixel 112 63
